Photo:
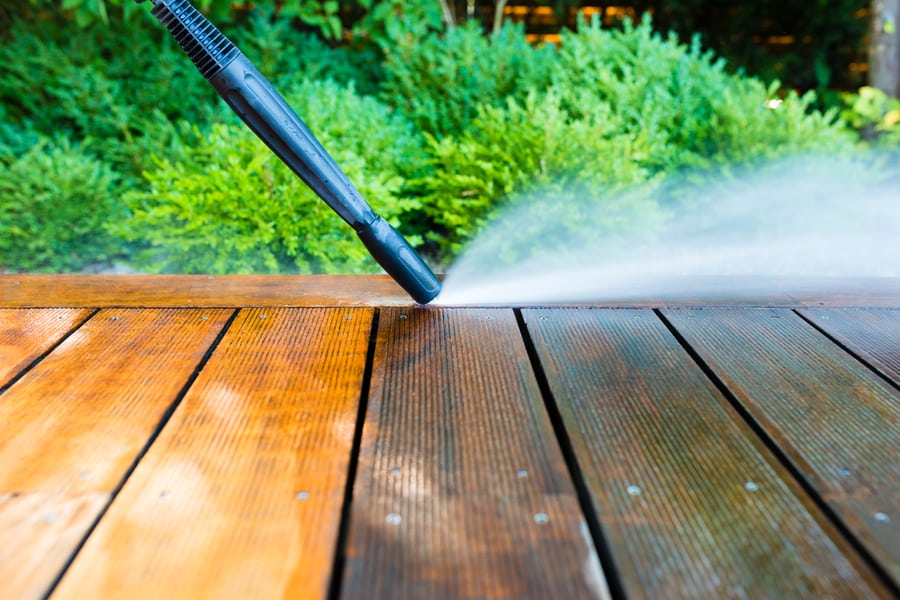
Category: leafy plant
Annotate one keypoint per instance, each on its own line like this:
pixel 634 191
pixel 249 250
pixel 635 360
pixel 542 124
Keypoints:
pixel 440 81
pixel 227 204
pixel 874 115
pixel 524 149
pixel 54 202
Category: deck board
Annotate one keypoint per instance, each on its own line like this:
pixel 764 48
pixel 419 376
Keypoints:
pixel 462 490
pixel 873 335
pixel 26 334
pixel 195 436
pixel 241 495
pixel 71 428
pixel 836 421
pixel 690 505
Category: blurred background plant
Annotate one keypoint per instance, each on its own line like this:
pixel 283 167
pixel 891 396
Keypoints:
pixel 113 148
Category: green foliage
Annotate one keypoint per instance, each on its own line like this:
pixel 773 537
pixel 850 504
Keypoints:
pixel 439 81
pixel 522 149
pixel 874 115
pixel 226 204
pixel 54 201
pixel 623 107
pixel 684 95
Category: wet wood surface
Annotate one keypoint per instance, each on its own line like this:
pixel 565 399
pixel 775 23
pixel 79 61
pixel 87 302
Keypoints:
pixel 457 497
pixel 688 501
pixel 241 495
pixel 305 437
pixel 73 426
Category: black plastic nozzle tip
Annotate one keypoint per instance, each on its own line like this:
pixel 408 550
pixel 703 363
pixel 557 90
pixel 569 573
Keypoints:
pixel 206 46
pixel 401 262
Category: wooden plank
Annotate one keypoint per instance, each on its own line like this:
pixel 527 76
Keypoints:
pixel 836 421
pixel 200 290
pixel 71 428
pixel 26 334
pixel 873 335
pixel 18 291
pixel 689 502
pixel 241 494
pixel 462 490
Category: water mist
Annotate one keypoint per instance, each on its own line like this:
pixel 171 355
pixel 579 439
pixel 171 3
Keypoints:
pixel 798 218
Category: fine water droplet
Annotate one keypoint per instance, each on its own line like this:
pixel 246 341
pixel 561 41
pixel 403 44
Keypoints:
pixel 843 471
pixel 634 490
pixel 302 495
pixel 882 517
pixel 395 471
pixel 541 518
pixel 751 486
pixel 394 519
pixel 521 473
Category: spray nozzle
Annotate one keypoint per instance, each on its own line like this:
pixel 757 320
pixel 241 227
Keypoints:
pixel 263 109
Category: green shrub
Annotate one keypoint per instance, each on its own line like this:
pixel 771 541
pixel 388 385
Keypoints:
pixel 663 88
pixel 624 106
pixel 54 201
pixel 524 149
pixel 439 81
pixel 874 115
pixel 227 204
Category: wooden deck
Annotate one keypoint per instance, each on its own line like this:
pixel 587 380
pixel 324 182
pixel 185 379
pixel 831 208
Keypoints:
pixel 321 437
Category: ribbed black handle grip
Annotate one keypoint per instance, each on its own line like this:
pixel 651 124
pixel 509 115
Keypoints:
pixel 204 44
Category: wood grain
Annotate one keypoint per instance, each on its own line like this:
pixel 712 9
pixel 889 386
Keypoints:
pixel 200 290
pixel 26 334
pixel 691 505
pixel 836 421
pixel 241 494
pixel 18 291
pixel 72 427
pixel 462 491
pixel 873 335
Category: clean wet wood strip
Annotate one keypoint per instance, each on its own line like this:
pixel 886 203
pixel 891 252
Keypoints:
pixel 241 494
pixel 72 427
pixel 688 500
pixel 200 290
pixel 836 421
pixel 873 335
pixel 461 490
pixel 26 334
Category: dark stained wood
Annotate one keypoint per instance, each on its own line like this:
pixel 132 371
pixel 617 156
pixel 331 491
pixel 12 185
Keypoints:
pixel 72 427
pixel 462 490
pixel 241 495
pixel 689 503
pixel 836 421
pixel 26 334
pixel 873 335
pixel 200 290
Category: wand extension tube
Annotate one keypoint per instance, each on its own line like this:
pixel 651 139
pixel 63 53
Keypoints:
pixel 263 109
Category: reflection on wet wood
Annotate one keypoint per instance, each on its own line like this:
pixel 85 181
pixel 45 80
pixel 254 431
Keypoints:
pixel 241 495
pixel 836 421
pixel 462 490
pixel 690 505
pixel 72 427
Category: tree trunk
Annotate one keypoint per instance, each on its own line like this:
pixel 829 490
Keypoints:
pixel 498 15
pixel 447 12
pixel 884 47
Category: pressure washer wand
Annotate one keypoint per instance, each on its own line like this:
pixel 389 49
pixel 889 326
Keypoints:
pixel 263 109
